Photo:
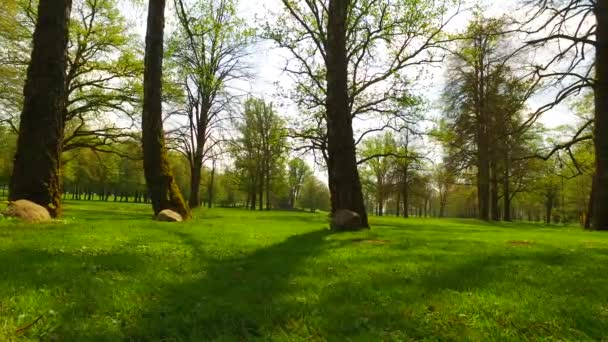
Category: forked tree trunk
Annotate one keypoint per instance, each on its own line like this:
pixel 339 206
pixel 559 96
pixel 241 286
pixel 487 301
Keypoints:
pixel 164 192
pixel 345 185
pixel 600 136
pixel 37 165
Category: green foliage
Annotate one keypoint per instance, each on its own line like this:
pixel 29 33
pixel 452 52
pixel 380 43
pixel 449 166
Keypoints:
pixel 315 195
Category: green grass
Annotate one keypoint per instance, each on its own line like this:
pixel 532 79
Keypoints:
pixel 110 273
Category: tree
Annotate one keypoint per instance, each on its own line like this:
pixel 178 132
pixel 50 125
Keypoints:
pixel 299 172
pixel 102 74
pixel 207 50
pixel 163 189
pixel 381 166
pixel 259 152
pixel 36 170
pixel 315 195
pixel 569 67
pixel 444 179
pixel 350 60
pixel 484 101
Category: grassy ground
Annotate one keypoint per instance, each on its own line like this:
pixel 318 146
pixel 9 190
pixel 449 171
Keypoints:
pixel 110 273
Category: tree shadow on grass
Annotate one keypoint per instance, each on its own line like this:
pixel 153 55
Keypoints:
pixel 238 298
pixel 61 295
pixel 264 295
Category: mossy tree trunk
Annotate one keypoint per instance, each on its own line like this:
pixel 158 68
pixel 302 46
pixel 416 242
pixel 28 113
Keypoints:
pixel 345 185
pixel 37 166
pixel 164 192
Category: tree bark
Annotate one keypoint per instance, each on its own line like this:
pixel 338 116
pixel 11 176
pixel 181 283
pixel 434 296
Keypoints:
pixel 37 165
pixel 600 136
pixel 345 185
pixel 164 192
pixel 195 181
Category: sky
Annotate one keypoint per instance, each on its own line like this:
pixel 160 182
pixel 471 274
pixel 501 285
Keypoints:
pixel 267 61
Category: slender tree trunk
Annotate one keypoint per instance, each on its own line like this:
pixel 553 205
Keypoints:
pixel 398 206
pixel 37 165
pixel 195 181
pixel 600 136
pixel 494 193
pixel 406 205
pixel 164 192
pixel 211 186
pixel 506 189
pixel 589 217
pixel 548 211
pixel 268 182
pixel 483 141
pixel 254 192
pixel 346 192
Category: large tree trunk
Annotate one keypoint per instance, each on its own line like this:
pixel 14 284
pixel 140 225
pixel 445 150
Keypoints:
pixel 195 181
pixel 600 136
pixel 37 166
pixel 345 185
pixel 164 192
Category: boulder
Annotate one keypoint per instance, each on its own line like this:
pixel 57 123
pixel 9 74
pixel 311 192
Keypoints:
pixel 345 220
pixel 169 215
pixel 28 211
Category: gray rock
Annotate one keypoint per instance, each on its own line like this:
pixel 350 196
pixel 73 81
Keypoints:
pixel 344 219
pixel 168 215
pixel 28 211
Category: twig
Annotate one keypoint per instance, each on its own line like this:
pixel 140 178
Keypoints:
pixel 26 327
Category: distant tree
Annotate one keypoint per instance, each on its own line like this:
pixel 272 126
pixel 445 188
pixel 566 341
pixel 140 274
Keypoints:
pixel 484 100
pixel 315 195
pixel 207 52
pixel 163 189
pixel 260 151
pixel 299 172
pixel 380 166
pixel 37 164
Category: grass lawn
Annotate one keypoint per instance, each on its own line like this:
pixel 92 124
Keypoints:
pixel 110 273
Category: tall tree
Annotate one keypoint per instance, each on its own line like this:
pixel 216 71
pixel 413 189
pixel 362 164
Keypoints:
pixel 570 67
pixel 359 34
pixel 208 51
pixel 259 152
pixel 299 172
pixel 103 74
pixel 36 170
pixel 484 103
pixel 344 182
pixel 163 189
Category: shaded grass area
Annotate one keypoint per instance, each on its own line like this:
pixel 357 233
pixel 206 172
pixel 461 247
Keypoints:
pixel 109 273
